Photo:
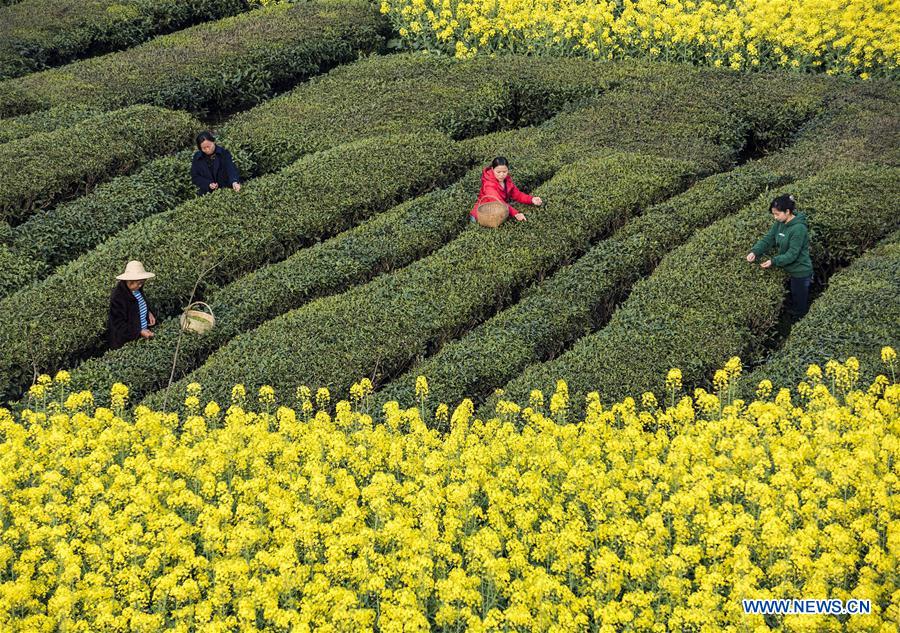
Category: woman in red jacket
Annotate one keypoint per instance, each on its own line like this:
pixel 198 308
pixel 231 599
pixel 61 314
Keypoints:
pixel 497 186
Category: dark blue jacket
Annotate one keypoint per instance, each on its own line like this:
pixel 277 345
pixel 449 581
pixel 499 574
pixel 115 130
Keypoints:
pixel 216 168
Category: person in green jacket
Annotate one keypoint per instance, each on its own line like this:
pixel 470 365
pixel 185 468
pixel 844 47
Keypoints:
pixel 790 235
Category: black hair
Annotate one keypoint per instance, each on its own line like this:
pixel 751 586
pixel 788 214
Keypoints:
pixel 205 136
pixel 500 160
pixel 784 202
pixel 121 285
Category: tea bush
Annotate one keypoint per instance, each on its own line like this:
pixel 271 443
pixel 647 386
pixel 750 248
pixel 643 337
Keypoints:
pixel 577 298
pixel 69 230
pixel 269 219
pixel 705 303
pixel 44 121
pixel 856 316
pixel 35 34
pixel 417 227
pixel 378 328
pixel 219 66
pixel 42 169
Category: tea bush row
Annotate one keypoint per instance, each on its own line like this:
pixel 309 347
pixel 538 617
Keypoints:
pixel 123 202
pixel 415 228
pixel 44 121
pixel 631 120
pixel 35 34
pixel 704 303
pixel 469 98
pixel 670 116
pixel 579 297
pixel 380 245
pixel 857 315
pixel 377 329
pixel 218 66
pixel 40 170
pixel 702 132
pixel 237 232
pixel 67 231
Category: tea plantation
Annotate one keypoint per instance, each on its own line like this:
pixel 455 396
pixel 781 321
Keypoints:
pixel 346 268
pixel 347 253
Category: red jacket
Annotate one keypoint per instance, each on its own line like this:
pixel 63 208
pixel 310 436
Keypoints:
pixel 493 191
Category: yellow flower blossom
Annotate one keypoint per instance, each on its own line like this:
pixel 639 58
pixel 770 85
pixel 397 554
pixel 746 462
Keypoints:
pixel 626 517
pixel 832 36
pixel 421 387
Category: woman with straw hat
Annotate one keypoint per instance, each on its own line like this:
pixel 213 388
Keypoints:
pixel 130 317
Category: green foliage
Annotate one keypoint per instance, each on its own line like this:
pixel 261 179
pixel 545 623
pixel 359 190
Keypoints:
pixel 66 231
pixel 380 245
pixel 577 298
pixel 377 329
pixel 413 92
pixel 394 238
pixel 860 125
pixel 713 119
pixel 660 109
pixel 17 270
pixel 62 233
pixel 40 170
pixel 43 121
pixel 386 242
pixel 218 66
pixel 857 315
pixel 704 303
pixel 58 235
pixel 36 34
pixel 268 220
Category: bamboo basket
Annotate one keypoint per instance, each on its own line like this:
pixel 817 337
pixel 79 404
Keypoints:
pixel 492 214
pixel 197 321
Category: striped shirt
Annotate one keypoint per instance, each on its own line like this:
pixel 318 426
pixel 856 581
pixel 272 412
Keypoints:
pixel 142 307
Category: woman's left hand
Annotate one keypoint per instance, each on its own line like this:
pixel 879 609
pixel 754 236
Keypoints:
pixel 151 320
pixel 536 201
pixel 766 264
pixel 236 186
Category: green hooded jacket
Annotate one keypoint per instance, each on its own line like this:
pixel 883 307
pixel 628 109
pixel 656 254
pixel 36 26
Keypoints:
pixel 792 240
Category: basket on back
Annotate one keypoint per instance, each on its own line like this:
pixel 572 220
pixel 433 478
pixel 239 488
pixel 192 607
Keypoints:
pixel 492 214
pixel 197 320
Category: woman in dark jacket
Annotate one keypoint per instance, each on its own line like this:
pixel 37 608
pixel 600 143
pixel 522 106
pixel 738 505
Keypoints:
pixel 212 166
pixel 130 317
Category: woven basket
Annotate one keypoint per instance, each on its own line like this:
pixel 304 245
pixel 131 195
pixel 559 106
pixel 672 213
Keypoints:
pixel 492 214
pixel 196 320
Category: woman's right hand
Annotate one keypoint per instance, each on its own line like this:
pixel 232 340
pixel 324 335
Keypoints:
pixel 213 186
pixel 751 257
pixel 520 217
pixel 146 334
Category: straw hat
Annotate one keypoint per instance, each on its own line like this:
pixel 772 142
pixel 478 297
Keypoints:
pixel 134 271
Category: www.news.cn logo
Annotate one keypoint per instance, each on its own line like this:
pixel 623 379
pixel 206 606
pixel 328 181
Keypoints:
pixel 807 606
